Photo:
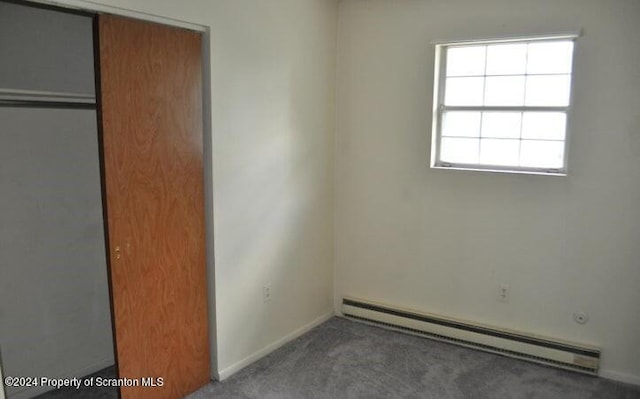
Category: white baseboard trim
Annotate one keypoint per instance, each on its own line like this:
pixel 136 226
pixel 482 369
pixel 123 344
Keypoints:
pixel 234 368
pixel 81 372
pixel 620 377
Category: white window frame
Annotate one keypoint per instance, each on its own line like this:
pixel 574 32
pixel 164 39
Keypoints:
pixel 439 108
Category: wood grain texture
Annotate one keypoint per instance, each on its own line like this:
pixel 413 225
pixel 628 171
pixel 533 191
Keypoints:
pixel 151 111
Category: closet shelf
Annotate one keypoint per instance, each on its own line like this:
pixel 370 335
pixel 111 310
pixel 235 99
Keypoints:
pixel 34 98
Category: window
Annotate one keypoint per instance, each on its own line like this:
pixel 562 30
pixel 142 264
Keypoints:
pixel 502 105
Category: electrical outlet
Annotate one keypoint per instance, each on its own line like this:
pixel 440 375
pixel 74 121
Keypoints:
pixel 503 293
pixel 266 293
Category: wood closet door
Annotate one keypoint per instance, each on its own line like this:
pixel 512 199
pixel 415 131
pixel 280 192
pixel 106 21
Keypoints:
pixel 151 114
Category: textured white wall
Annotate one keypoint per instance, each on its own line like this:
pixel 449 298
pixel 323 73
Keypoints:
pixel 273 79
pixel 441 241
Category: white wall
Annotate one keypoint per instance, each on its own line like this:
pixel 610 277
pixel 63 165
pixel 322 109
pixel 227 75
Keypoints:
pixel 273 96
pixel 441 241
pixel 55 317
pixel 272 77
pixel 59 55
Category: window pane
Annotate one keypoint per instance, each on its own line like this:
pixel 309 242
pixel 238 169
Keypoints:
pixel 504 90
pixel 465 61
pixel 501 124
pixel 544 125
pixel 506 59
pixel 464 91
pixel 503 104
pixel 459 150
pixel 550 57
pixel 542 154
pixel 499 152
pixel 466 124
pixel 552 90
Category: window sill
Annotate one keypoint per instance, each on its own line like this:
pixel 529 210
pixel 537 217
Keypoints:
pixel 541 172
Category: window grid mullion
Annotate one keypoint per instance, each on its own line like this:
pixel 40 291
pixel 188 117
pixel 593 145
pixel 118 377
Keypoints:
pixel 520 140
pixel 508 75
pixel 524 101
pixel 484 95
pixel 504 108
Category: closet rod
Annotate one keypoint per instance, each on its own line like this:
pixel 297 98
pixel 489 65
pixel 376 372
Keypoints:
pixel 45 104
pixel 39 99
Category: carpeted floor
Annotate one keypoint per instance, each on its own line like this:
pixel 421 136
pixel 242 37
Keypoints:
pixel 86 392
pixel 345 359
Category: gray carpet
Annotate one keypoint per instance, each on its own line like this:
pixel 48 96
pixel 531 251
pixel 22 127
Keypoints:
pixel 345 359
pixel 86 392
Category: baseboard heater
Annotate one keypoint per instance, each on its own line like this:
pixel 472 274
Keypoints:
pixel 572 356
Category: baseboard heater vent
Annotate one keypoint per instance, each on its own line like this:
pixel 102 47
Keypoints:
pixel 572 356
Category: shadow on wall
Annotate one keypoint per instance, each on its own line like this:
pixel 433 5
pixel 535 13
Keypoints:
pixel 284 194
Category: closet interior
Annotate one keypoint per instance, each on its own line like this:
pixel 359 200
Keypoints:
pixel 55 318
pixel 102 241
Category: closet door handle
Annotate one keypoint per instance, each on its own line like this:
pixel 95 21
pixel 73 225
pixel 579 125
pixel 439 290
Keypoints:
pixel 117 252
